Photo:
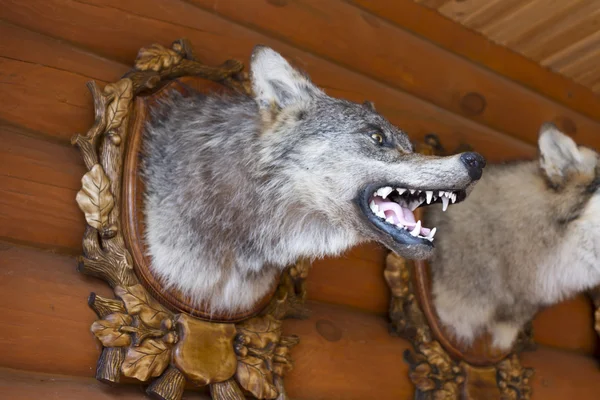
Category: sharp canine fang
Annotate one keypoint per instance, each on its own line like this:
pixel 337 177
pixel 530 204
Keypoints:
pixel 384 191
pixel 429 195
pixel 417 229
pixel 431 234
pixel 373 206
pixel 445 202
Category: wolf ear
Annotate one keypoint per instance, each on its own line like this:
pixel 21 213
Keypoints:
pixel 275 82
pixel 559 154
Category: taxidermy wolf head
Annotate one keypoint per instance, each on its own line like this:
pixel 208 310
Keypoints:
pixel 238 187
pixel 528 237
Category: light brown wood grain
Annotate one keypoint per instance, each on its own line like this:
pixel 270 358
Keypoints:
pixel 41 289
pixel 343 353
pixel 25 385
pixel 561 35
pixel 402 60
pixel 38 184
pixel 462 40
pixel 25 45
pixel 98 28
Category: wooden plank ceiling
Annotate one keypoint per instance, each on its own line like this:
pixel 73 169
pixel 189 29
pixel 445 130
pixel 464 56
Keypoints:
pixel 563 35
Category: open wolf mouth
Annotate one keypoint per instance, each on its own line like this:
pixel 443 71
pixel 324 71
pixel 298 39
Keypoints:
pixel 391 209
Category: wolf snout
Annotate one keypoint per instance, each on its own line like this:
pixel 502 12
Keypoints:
pixel 474 163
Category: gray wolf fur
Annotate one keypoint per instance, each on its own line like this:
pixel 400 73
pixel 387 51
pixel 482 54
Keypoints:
pixel 528 237
pixel 238 187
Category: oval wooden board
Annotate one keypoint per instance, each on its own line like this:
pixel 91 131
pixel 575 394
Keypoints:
pixel 133 217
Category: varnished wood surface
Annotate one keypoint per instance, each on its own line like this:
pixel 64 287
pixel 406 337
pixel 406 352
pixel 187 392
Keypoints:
pixel 49 49
pixel 561 35
pixel 461 40
pixel 367 44
pixel 339 347
pixel 93 27
pixel 24 385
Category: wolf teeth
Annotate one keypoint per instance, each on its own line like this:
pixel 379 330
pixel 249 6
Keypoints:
pixel 431 234
pixel 384 191
pixel 400 191
pixel 373 207
pixel 445 202
pixel 415 232
pixel 429 195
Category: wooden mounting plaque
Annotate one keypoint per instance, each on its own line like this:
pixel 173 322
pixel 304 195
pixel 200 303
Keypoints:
pixel 133 217
pixel 441 367
pixel 148 333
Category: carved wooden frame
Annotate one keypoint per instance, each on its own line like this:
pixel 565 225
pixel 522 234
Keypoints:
pixel 440 368
pixel 147 336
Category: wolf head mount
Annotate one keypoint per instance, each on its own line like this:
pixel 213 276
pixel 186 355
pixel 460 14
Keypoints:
pixel 528 237
pixel 238 187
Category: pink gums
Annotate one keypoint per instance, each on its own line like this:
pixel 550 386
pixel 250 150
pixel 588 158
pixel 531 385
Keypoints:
pixel 399 215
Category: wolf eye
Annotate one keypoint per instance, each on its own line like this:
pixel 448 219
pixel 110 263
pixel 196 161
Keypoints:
pixel 377 137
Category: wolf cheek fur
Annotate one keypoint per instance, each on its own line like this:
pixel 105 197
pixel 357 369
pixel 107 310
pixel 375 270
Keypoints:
pixel 239 187
pixel 529 236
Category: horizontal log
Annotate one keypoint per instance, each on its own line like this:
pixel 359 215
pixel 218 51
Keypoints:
pixel 365 43
pixel 46 328
pixel 38 184
pixel 50 101
pixel 343 353
pixel 560 375
pixel 24 45
pixel 96 27
pixel 465 42
pixel 26 385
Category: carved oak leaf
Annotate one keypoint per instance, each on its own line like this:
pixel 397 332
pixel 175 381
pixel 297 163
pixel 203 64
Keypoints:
pixel 139 302
pixel 122 94
pixel 254 376
pixel 95 199
pixel 282 362
pixel 261 331
pixel 437 357
pixel 146 361
pixel 107 330
pixel 449 391
pixel 156 58
pixel 420 377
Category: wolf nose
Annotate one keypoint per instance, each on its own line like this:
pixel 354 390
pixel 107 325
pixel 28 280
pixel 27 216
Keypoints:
pixel 474 163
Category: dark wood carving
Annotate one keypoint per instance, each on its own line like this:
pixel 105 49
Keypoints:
pixel 148 333
pixel 440 367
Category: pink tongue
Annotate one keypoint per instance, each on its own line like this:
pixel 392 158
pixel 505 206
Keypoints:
pixel 398 214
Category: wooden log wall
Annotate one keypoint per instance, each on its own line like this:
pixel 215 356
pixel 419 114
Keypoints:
pixel 416 75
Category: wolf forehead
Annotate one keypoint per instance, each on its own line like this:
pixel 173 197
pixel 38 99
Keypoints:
pixel 329 116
